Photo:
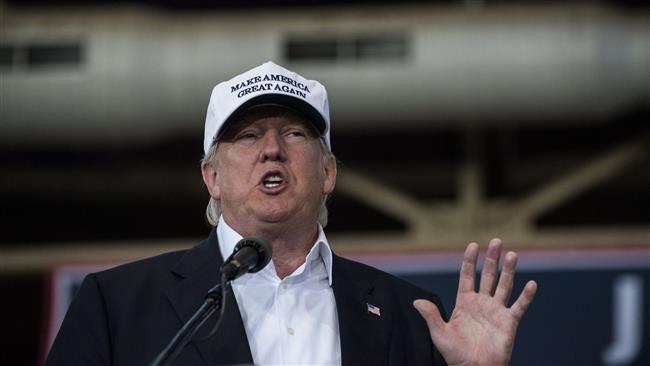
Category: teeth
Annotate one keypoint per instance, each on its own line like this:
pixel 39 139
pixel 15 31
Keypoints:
pixel 272 181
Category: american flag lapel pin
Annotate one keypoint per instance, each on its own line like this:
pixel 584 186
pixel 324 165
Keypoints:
pixel 374 310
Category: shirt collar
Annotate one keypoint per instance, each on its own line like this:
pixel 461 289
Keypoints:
pixel 228 238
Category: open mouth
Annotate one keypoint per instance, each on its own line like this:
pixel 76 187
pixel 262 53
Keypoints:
pixel 272 180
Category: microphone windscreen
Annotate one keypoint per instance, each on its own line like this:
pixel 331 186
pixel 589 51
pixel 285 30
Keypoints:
pixel 261 246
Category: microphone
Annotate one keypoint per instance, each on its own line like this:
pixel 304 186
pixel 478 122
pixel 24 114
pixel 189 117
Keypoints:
pixel 251 254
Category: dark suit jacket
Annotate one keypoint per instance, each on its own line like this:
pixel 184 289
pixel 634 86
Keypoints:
pixel 126 315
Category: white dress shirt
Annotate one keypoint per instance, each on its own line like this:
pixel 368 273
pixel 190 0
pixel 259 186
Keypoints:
pixel 290 321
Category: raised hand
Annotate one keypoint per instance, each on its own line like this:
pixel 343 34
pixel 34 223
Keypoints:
pixel 482 329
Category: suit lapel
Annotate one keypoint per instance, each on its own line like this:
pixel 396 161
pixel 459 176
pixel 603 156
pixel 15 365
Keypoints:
pixel 364 336
pixel 199 269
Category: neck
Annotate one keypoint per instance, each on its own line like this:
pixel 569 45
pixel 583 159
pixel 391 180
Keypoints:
pixel 290 244
pixel 290 254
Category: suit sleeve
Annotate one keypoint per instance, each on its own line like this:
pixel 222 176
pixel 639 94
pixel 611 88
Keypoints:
pixel 83 338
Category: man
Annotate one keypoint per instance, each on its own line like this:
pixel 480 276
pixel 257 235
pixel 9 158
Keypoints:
pixel 268 168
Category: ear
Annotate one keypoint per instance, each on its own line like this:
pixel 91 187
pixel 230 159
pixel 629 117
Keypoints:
pixel 211 179
pixel 330 175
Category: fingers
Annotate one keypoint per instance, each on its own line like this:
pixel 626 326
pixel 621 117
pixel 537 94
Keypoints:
pixel 521 305
pixel 489 273
pixel 504 288
pixel 431 315
pixel 468 269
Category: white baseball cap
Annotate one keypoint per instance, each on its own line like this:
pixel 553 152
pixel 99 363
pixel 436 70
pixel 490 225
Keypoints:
pixel 266 84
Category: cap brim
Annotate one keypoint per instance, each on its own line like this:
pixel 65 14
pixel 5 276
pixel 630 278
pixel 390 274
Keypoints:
pixel 304 108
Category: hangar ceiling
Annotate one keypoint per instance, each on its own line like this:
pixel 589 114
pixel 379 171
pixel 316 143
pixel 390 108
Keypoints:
pixel 432 180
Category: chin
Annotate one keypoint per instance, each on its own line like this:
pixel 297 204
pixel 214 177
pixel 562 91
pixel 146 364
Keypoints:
pixel 273 216
pixel 276 214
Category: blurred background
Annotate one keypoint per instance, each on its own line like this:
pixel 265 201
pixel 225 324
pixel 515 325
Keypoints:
pixel 454 121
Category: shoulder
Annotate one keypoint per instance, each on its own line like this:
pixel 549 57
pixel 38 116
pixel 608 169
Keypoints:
pixel 360 271
pixel 153 274
pixel 154 265
pixel 138 273
pixel 124 283
pixel 177 263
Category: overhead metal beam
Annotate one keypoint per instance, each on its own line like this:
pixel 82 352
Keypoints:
pixel 384 199
pixel 559 191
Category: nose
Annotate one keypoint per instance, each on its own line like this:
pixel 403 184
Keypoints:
pixel 272 147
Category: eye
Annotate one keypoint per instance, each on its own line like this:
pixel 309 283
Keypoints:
pixel 298 133
pixel 246 135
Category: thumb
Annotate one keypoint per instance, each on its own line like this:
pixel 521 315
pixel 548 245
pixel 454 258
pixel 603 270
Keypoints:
pixel 431 315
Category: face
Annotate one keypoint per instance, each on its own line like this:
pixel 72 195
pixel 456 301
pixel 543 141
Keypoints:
pixel 270 169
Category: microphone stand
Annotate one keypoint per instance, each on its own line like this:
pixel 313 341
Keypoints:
pixel 213 301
